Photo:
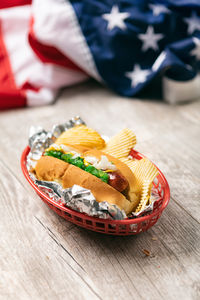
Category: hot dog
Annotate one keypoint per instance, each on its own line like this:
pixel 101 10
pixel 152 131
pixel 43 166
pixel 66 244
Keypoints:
pixel 107 177
pixel 117 181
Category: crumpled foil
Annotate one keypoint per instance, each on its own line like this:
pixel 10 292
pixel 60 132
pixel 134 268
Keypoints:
pixel 40 139
pixel 76 197
pixel 81 200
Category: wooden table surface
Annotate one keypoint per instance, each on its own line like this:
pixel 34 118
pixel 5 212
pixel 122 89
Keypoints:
pixel 42 256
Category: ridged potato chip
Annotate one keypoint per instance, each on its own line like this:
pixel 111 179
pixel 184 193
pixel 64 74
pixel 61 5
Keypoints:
pixel 83 136
pixel 145 195
pixel 131 163
pixel 145 170
pixel 144 174
pixel 121 144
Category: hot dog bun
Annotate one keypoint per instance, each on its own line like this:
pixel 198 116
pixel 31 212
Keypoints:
pixel 50 168
pixel 132 195
pixel 101 190
pixel 126 171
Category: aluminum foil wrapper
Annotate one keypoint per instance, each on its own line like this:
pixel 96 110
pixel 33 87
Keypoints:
pixel 40 139
pixel 76 197
pixel 81 200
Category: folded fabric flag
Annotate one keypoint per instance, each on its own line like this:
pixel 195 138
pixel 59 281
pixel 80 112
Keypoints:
pixel 126 45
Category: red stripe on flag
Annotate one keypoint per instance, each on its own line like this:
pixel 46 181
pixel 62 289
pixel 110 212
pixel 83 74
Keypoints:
pixel 11 3
pixel 6 75
pixel 28 86
pixel 12 99
pixel 10 96
pixel 50 54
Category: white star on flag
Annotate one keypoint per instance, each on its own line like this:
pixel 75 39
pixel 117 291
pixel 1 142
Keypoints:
pixel 150 39
pixel 193 22
pixel 159 9
pixel 137 75
pixel 196 50
pixel 116 18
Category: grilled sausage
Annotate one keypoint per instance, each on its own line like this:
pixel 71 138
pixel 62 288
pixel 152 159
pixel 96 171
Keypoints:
pixel 117 181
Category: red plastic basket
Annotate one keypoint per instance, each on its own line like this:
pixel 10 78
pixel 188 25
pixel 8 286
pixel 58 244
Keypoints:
pixel 123 227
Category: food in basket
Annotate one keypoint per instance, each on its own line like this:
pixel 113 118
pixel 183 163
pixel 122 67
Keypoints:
pixel 81 135
pixel 81 157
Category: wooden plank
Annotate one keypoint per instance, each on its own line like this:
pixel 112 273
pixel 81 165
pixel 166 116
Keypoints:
pixel 31 263
pixel 48 249
pixel 43 256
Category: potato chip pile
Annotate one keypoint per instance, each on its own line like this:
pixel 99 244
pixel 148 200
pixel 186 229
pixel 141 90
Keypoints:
pixel 83 136
pixel 118 146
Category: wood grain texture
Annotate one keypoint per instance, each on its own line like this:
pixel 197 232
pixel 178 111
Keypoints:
pixel 42 256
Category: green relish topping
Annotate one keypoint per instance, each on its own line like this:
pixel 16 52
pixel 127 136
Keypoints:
pixel 78 162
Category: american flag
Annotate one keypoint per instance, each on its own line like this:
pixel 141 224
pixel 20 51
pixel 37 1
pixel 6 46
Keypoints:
pixel 126 45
